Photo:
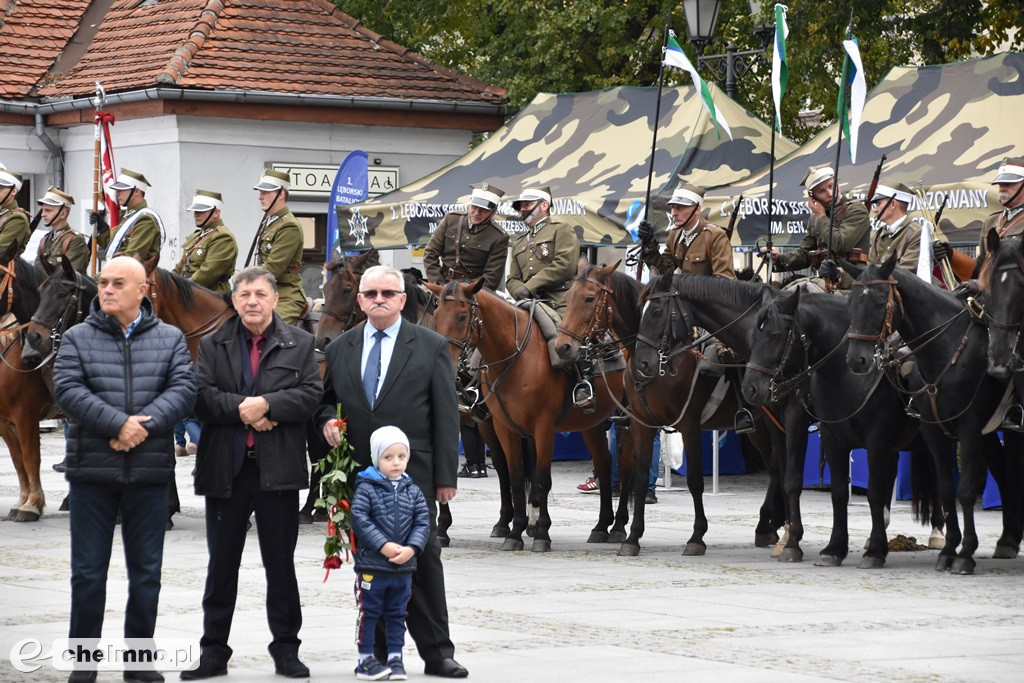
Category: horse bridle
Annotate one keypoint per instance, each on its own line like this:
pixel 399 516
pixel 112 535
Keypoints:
pixel 889 323
pixel 667 346
pixel 209 326
pixel 778 386
pixel 475 327
pixel 601 321
pixel 72 314
pixel 353 315
pixel 1014 360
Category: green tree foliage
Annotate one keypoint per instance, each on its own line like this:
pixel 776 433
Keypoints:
pixel 531 46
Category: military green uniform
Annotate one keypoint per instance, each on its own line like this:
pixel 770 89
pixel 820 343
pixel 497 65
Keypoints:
pixel 64 242
pixel 208 257
pixel 143 237
pixel 708 253
pixel 1008 224
pixel 904 241
pixel 14 226
pixel 460 251
pixel 279 250
pixel 544 260
pixel 852 231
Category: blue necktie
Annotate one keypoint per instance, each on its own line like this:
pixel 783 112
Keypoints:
pixel 371 374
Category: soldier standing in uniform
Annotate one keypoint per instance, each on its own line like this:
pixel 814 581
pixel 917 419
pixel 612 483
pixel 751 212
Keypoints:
pixel 851 230
pixel 140 230
pixel 279 244
pixel 209 254
pixel 465 246
pixel 61 240
pixel 694 245
pixel 14 225
pixel 468 245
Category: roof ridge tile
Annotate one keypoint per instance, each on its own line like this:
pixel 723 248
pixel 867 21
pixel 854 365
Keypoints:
pixel 179 62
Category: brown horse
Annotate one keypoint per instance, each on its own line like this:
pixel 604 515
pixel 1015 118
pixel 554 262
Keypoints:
pixel 193 309
pixel 526 397
pixel 603 301
pixel 25 399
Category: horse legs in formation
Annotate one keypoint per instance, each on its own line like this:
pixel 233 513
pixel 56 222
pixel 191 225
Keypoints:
pixel 972 482
pixel 693 450
pixel 27 414
pixel 837 453
pixel 1005 464
pixel 512 446
pixel 10 437
pixel 596 440
pixel 642 442
pixel 795 421
pixel 882 462
pixel 630 477
pixel 772 515
pixel 944 460
pixel 500 463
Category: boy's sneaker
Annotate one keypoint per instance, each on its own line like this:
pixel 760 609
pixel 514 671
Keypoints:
pixel 371 670
pixel 589 486
pixel 397 669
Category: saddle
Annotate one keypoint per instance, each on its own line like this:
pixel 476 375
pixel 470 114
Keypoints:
pixel 310 316
pixel 547 320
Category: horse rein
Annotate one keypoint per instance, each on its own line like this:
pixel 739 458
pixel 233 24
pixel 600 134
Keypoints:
pixel 210 325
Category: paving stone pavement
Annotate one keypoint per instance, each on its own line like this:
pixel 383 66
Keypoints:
pixel 580 612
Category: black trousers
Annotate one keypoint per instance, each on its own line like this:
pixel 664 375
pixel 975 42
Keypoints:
pixel 277 526
pixel 472 444
pixel 427 618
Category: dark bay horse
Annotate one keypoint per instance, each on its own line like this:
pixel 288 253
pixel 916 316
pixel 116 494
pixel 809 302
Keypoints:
pixel 799 346
pixel 25 398
pixel 666 388
pixel 600 301
pixel 527 397
pixel 958 398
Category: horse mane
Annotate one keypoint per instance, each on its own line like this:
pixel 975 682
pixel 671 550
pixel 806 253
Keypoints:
pixel 1009 252
pixel 28 273
pixel 717 290
pixel 769 318
pixel 184 286
pixel 344 261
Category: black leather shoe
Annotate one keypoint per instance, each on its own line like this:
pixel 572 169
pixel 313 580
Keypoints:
pixel 289 666
pixel 82 677
pixel 445 668
pixel 209 667
pixel 144 676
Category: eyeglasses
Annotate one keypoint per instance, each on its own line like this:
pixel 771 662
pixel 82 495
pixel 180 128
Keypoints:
pixel 386 293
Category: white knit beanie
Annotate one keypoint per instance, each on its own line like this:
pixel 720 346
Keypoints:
pixel 383 439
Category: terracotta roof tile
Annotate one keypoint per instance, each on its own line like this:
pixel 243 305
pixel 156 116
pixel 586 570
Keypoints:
pixel 298 46
pixel 34 33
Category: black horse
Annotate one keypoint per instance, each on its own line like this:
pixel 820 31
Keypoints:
pixel 65 297
pixel 957 398
pixel 799 348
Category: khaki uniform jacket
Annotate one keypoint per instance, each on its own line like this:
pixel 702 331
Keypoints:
pixel 460 251
pixel 905 243
pixel 143 237
pixel 208 257
pixel 279 250
pixel 1011 228
pixel 14 226
pixel 544 260
pixel 710 252
pixel 64 242
pixel 852 231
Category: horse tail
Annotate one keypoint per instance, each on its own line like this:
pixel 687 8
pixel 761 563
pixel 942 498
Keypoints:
pixel 924 490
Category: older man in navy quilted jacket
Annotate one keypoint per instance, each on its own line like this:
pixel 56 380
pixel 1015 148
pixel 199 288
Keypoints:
pixel 124 379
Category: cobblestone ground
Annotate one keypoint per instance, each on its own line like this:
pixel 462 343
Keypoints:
pixel 580 612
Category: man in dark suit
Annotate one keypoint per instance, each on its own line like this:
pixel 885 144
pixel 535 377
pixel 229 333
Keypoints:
pixel 388 371
pixel 258 384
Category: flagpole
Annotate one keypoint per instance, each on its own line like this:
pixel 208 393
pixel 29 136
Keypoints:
pixel 839 137
pixel 654 140
pixel 97 186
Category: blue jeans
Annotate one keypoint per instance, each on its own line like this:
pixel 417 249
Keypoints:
pixel 94 509
pixel 613 446
pixel 192 427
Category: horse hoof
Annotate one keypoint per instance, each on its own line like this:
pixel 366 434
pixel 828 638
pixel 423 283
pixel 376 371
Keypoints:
pixel 596 536
pixel 444 541
pixel 541 545
pixel 531 531
pixel 936 541
pixel 65 505
pixel 26 516
pixel 777 550
pixel 305 518
pixel 617 537
pixel 828 561
pixel 629 550
pixel 791 555
pixel 499 531
pixel 694 550
pixel 765 540
pixel 944 563
pixel 963 566
pixel 12 515
pixel 1005 552
pixel 513 544
pixel 869 562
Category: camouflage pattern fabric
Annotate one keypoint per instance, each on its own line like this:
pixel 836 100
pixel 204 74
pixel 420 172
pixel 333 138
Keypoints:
pixel 945 127
pixel 593 151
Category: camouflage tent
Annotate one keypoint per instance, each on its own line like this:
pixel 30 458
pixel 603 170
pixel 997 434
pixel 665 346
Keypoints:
pixel 944 130
pixel 592 149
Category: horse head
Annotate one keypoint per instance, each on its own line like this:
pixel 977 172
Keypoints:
pixel 1002 275
pixel 876 308
pixel 590 310
pixel 664 324
pixel 340 309
pixel 457 318
pixel 63 302
pixel 777 347
pixel 19 284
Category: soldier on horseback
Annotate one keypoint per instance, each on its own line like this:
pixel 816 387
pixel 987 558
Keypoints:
pixel 14 225
pixel 209 254
pixel 140 230
pixel 55 206
pixel 279 244
pixel 899 233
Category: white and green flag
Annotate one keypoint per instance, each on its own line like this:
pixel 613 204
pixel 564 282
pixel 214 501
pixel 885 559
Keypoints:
pixel 780 67
pixel 675 57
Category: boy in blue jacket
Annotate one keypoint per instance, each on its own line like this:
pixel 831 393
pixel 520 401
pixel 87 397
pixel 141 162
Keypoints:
pixel 391 522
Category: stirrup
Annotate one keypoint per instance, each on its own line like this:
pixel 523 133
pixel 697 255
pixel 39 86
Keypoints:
pixel 912 411
pixel 1013 419
pixel 743 421
pixel 583 396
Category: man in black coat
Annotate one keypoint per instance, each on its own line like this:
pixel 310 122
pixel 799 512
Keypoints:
pixel 258 384
pixel 389 371
pixel 124 379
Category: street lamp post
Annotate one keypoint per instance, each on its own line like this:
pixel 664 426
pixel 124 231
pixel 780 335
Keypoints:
pixel 701 17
